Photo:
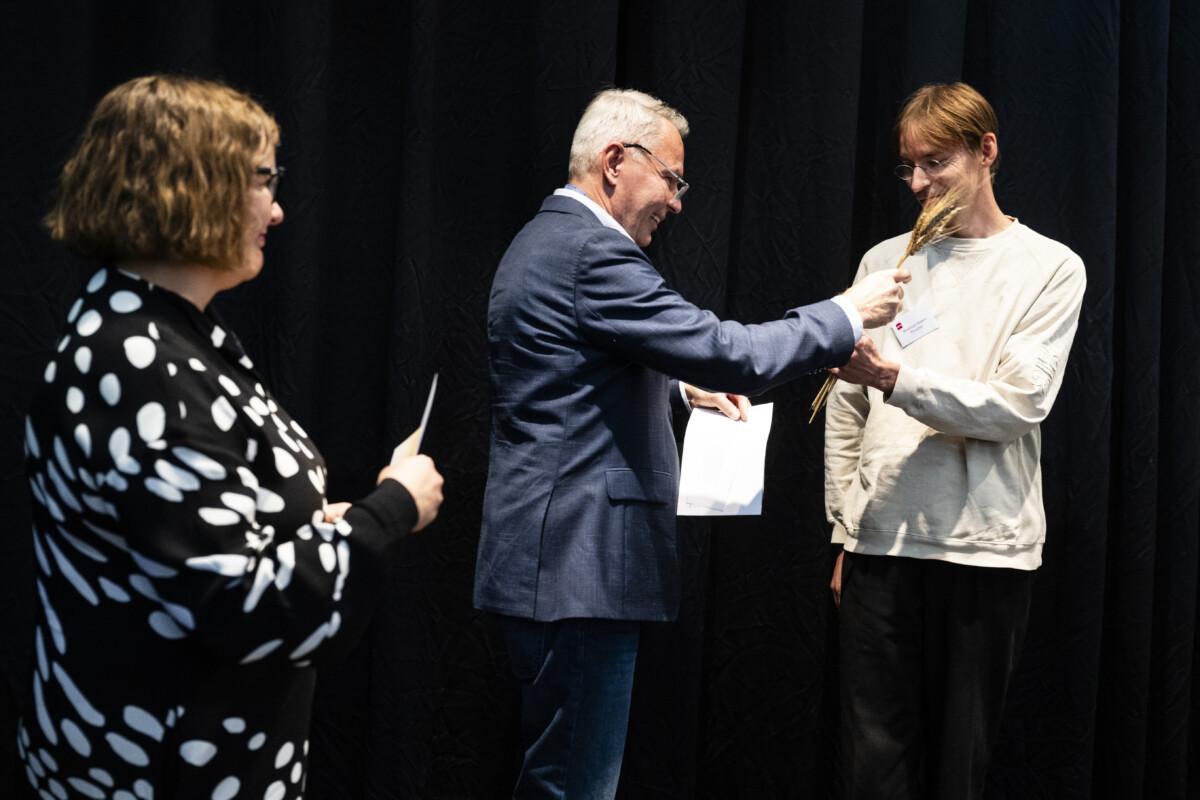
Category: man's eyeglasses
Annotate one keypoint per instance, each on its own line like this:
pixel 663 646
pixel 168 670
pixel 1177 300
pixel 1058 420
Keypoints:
pixel 932 167
pixel 675 182
pixel 274 174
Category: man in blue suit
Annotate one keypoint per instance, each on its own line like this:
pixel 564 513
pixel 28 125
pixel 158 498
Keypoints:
pixel 578 540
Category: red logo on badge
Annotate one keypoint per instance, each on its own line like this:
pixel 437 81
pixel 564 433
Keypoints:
pixel 899 326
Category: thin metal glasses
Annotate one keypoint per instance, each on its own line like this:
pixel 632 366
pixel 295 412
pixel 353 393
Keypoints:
pixel 932 167
pixel 676 181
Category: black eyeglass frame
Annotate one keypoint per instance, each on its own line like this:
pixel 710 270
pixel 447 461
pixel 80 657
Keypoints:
pixel 681 186
pixel 273 174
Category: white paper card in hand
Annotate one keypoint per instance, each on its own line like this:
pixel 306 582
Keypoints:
pixel 723 462
pixel 412 445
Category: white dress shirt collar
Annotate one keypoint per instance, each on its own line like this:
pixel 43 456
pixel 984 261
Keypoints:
pixel 606 219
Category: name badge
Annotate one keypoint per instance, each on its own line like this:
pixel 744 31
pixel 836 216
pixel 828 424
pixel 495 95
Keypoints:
pixel 912 325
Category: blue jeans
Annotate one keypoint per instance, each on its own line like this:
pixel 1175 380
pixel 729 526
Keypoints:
pixel 576 680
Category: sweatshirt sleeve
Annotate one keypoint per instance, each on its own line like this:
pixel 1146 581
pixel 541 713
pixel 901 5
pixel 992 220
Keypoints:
pixel 845 418
pixel 1021 390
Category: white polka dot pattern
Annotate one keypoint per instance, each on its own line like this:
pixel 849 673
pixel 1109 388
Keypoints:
pixel 262 651
pixel 151 421
pixel 127 750
pixel 219 516
pixel 229 564
pixel 83 359
pixel 229 386
pixel 83 438
pixel 227 789
pixel 89 322
pixel 76 738
pixel 177 476
pixel 124 302
pixel 197 752
pixel 140 351
pixel 162 624
pixel 95 282
pixel 223 413
pixel 86 788
pixel 164 490
pixel 284 756
pixel 178 516
pixel 74 400
pixel 285 463
pixel 110 389
pixel 200 463
pixel 143 722
pixel 100 776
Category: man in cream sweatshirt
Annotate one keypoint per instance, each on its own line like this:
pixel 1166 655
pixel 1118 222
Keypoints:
pixel 932 469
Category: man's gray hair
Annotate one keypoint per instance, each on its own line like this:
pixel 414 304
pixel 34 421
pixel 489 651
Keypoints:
pixel 624 115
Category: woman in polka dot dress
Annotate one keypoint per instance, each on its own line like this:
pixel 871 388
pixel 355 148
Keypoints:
pixel 190 574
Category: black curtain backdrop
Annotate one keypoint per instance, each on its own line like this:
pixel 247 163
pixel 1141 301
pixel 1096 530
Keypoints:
pixel 419 136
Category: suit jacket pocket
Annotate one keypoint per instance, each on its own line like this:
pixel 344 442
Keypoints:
pixel 644 485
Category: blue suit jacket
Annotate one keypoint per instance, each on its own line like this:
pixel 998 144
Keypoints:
pixel 579 510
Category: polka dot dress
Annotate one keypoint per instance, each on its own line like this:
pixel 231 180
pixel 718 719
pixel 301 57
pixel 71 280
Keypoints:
pixel 186 581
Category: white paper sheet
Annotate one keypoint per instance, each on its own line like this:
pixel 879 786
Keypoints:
pixel 723 462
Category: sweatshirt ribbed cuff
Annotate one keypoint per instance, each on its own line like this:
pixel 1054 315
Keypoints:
pixel 904 394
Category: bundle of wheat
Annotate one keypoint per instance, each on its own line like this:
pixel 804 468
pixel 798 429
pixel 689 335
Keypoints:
pixel 937 220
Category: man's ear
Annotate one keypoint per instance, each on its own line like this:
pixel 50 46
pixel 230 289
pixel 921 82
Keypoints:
pixel 989 148
pixel 612 159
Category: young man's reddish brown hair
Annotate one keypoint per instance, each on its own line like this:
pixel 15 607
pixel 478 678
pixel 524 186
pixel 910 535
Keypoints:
pixel 948 116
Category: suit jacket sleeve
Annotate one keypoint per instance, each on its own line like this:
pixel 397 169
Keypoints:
pixel 623 305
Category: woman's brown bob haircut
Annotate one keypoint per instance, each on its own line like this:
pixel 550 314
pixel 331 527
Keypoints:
pixel 948 115
pixel 161 172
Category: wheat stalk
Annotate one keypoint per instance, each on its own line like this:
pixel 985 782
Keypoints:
pixel 937 220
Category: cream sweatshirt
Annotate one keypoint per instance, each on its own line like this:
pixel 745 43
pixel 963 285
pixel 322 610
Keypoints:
pixel 949 466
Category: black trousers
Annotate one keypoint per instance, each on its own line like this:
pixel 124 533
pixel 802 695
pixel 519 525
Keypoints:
pixel 927 650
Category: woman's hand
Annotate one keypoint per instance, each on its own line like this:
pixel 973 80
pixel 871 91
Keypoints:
pixel 335 511
pixel 420 477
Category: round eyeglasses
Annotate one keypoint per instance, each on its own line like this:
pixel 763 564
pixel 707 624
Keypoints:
pixel 932 167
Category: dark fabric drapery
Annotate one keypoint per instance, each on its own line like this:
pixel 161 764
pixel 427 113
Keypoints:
pixel 419 136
